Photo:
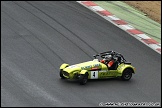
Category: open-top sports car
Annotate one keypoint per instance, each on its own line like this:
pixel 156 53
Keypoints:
pixel 110 65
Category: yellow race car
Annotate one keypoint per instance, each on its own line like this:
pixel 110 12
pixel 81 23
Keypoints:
pixel 111 65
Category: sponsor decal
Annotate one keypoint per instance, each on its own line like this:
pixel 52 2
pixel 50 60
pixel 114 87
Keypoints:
pixel 90 66
pixel 72 66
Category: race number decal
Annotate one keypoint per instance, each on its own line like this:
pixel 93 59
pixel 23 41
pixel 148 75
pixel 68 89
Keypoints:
pixel 94 74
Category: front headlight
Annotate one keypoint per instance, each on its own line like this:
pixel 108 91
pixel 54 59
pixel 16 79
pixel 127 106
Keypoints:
pixel 65 73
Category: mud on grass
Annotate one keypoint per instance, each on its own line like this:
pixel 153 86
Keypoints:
pixel 152 9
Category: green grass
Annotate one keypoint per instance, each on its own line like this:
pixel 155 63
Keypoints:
pixel 134 17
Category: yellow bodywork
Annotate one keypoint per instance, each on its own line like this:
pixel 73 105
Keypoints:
pixel 95 70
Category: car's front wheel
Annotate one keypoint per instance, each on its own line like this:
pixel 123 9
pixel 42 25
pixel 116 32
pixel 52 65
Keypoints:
pixel 61 74
pixel 127 74
pixel 83 79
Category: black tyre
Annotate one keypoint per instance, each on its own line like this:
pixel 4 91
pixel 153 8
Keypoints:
pixel 127 74
pixel 83 79
pixel 61 74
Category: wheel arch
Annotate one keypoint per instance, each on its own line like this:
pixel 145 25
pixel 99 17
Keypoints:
pixel 84 72
pixel 64 65
pixel 122 67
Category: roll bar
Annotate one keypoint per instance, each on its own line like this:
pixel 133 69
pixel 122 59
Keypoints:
pixel 113 53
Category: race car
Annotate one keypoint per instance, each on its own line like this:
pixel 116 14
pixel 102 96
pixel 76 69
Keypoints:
pixel 111 64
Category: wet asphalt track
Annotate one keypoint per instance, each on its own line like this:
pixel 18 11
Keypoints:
pixel 37 37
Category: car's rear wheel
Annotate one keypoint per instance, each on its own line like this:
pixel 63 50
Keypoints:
pixel 83 79
pixel 127 74
pixel 61 74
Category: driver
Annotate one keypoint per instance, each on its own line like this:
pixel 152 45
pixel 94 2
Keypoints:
pixel 108 60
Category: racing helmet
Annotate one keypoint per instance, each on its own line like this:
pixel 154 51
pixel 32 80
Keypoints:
pixel 108 57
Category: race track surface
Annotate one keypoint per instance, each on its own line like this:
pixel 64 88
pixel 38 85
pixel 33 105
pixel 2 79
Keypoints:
pixel 37 37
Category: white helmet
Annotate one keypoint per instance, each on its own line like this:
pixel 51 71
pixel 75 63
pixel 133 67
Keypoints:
pixel 108 57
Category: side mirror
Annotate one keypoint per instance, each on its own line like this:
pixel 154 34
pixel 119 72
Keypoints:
pixel 94 56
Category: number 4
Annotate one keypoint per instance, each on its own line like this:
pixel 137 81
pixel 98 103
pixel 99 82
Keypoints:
pixel 94 74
